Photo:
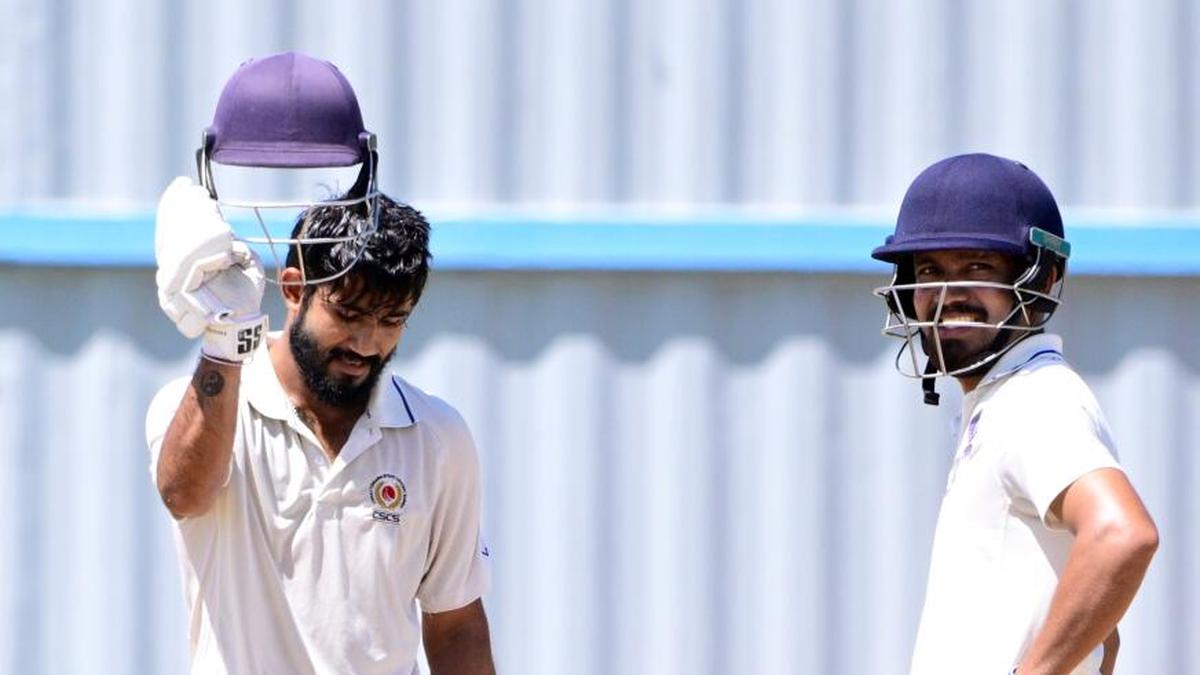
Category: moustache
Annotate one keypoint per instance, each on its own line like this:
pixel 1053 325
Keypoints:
pixel 373 361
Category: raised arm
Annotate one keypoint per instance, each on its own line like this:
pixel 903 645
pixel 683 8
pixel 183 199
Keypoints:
pixel 1115 539
pixel 210 285
pixel 197 449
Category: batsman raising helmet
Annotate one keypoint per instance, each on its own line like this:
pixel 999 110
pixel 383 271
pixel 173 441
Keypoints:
pixel 326 512
pixel 1041 542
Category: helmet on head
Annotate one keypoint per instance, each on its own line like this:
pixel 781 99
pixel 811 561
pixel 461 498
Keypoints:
pixel 978 202
pixel 291 111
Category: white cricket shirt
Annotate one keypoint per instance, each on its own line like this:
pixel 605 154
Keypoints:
pixel 1029 430
pixel 306 565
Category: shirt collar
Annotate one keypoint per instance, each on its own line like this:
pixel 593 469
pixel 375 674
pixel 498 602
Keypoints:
pixel 389 406
pixel 391 402
pixel 261 384
pixel 1033 347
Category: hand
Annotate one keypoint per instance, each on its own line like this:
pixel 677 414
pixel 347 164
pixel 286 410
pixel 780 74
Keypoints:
pixel 232 300
pixel 1108 663
pixel 208 283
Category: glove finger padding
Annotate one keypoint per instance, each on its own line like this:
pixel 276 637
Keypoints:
pixel 234 292
pixel 183 306
pixel 191 244
pixel 209 283
pixel 186 220
pixel 182 309
pixel 250 262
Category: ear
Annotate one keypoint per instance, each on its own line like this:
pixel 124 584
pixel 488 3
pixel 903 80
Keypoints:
pixel 291 287
pixel 1052 278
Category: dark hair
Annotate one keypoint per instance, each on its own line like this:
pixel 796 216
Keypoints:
pixel 393 265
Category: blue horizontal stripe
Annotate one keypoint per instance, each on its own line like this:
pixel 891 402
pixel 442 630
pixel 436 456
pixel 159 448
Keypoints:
pixel 708 242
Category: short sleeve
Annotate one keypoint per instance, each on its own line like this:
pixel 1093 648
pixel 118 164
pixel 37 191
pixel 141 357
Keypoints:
pixel 158 417
pixel 1064 438
pixel 457 572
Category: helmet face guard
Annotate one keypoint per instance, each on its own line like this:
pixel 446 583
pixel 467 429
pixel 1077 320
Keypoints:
pixel 972 202
pixel 1032 308
pixel 291 111
pixel 364 191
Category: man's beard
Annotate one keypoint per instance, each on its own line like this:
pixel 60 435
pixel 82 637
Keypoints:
pixel 958 353
pixel 314 364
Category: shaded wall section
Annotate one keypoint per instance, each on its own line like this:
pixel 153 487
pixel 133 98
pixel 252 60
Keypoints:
pixel 685 472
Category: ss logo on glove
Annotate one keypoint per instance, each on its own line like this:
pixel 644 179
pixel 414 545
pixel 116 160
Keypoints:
pixel 248 339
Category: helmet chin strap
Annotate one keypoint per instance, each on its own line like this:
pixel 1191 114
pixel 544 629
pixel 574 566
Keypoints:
pixel 929 384
pixel 999 343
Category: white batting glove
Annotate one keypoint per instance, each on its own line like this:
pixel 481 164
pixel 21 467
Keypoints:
pixel 208 283
pixel 233 297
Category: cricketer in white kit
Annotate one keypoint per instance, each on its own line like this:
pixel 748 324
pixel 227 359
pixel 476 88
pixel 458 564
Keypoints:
pixel 320 500
pixel 1041 541
pixel 326 512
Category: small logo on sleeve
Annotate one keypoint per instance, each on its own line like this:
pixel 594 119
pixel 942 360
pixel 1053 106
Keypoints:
pixel 389 496
pixel 972 429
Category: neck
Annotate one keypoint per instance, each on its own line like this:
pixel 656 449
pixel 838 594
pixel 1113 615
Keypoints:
pixel 315 413
pixel 971 379
pixel 969 382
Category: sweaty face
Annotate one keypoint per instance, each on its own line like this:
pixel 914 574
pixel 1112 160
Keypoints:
pixel 341 347
pixel 962 345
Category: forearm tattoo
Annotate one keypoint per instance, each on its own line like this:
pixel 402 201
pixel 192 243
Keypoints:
pixel 211 384
pixel 208 384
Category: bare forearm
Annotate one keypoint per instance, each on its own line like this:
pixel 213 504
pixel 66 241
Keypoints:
pixel 198 445
pixel 458 642
pixel 467 656
pixel 1102 575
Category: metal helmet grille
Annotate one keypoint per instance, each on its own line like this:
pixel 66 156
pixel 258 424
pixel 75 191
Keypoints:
pixel 1032 308
pixel 364 193
pixel 977 202
pixel 291 111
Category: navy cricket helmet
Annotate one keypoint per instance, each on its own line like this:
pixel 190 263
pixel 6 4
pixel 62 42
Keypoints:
pixel 976 202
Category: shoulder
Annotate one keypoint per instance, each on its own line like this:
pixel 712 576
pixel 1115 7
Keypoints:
pixel 1046 386
pixel 434 415
pixel 425 407
pixel 1047 403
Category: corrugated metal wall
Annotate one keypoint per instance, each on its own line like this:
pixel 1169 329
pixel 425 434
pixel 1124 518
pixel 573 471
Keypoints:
pixel 685 473
pixel 816 102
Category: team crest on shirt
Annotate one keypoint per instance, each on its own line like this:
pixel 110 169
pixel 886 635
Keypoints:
pixel 389 496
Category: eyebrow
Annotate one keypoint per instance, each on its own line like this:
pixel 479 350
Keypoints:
pixel 398 312
pixel 925 257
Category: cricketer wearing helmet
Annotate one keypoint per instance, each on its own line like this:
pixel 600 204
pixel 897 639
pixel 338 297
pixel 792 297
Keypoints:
pixel 327 512
pixel 1041 542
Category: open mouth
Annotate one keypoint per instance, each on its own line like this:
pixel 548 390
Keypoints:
pixel 952 332
pixel 958 324
pixel 960 319
pixel 352 364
